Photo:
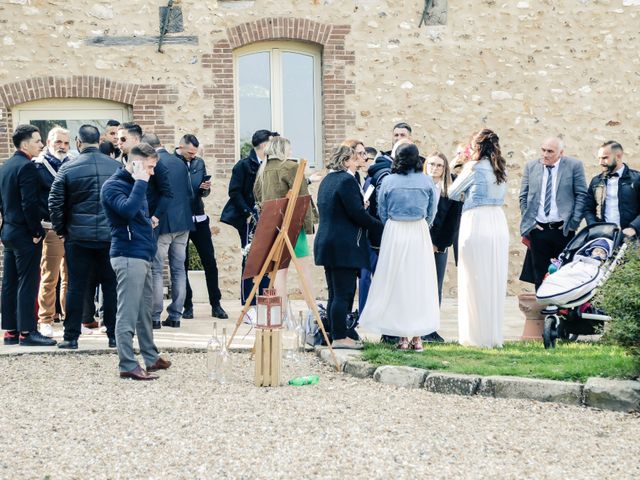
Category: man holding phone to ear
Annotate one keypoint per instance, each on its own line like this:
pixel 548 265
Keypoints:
pixel 133 247
pixel 201 236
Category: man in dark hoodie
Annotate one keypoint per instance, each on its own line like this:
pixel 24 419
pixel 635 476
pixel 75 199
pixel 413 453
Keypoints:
pixel 133 247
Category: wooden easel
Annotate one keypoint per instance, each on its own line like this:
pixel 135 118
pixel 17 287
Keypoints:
pixel 281 242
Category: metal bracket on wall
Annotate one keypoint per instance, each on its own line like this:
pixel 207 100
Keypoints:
pixel 164 25
pixel 428 5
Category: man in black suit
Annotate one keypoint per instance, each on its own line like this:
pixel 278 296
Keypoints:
pixel 614 194
pixel 78 216
pixel 22 235
pixel 172 233
pixel 239 212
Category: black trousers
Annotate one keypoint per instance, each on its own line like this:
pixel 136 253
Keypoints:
pixel 201 238
pixel 246 285
pixel 342 290
pixel 81 261
pixel 545 245
pixel 20 280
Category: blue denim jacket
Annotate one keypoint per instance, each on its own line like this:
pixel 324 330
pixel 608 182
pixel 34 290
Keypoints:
pixel 407 198
pixel 478 184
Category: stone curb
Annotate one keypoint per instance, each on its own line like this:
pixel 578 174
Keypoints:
pixel 601 393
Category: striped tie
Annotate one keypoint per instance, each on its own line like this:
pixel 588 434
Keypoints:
pixel 548 190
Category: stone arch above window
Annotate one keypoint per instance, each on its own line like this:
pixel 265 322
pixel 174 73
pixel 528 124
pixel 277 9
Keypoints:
pixel 337 120
pixel 147 100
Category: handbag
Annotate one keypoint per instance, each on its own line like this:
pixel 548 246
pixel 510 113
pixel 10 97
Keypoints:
pixel 313 334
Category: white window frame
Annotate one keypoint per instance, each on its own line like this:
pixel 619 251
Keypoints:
pixel 277 110
pixel 70 109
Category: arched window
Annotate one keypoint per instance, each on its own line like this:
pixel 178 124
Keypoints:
pixel 277 87
pixel 69 113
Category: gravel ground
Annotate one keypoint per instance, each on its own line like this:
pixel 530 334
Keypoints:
pixel 70 416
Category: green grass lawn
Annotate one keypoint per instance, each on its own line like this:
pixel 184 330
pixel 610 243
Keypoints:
pixel 569 361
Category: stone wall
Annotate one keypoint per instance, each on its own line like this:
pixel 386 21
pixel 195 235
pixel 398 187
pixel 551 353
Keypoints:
pixel 527 69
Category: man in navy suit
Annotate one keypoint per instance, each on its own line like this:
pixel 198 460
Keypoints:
pixel 552 199
pixel 172 231
pixel 22 235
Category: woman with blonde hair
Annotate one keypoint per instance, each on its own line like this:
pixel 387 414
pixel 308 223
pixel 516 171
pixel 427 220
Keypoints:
pixel 274 179
pixel 444 230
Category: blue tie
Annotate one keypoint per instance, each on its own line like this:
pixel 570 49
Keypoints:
pixel 548 190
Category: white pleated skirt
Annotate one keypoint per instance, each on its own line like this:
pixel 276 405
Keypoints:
pixel 483 246
pixel 403 298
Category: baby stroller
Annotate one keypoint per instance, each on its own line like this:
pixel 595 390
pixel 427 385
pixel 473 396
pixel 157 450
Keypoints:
pixel 580 271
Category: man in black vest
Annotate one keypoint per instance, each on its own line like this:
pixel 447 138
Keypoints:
pixel 22 235
pixel 614 194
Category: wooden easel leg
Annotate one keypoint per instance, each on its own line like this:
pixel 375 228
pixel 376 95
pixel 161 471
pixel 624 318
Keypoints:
pixel 256 284
pixel 310 301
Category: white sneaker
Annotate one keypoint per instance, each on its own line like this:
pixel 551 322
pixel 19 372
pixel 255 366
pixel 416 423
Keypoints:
pixel 86 331
pixel 46 330
pixel 250 317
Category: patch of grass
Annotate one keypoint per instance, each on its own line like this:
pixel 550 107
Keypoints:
pixel 569 361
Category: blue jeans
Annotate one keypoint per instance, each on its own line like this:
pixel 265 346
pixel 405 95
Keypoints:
pixel 365 279
pixel 175 246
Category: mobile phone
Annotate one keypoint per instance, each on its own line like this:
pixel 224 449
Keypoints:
pixel 206 178
pixel 137 166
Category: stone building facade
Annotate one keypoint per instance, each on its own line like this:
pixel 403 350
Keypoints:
pixel 527 69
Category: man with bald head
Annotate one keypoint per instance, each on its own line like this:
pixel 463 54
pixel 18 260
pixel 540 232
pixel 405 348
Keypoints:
pixel 552 199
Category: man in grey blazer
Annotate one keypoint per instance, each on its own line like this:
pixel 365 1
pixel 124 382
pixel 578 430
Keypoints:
pixel 552 199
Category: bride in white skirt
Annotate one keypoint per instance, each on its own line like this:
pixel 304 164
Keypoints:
pixel 483 243
pixel 403 298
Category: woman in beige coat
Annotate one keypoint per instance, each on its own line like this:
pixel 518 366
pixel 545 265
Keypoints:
pixel 274 179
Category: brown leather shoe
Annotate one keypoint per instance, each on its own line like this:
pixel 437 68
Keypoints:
pixel 138 373
pixel 160 364
pixel 92 325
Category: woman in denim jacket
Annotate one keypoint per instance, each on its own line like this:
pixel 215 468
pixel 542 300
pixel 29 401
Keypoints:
pixel 403 299
pixel 483 243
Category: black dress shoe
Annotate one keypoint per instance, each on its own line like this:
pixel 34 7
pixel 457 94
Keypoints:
pixel 157 325
pixel 11 338
pixel 433 337
pixel 390 340
pixel 112 342
pixel 36 339
pixel 68 344
pixel 218 312
pixel 171 323
pixel 188 313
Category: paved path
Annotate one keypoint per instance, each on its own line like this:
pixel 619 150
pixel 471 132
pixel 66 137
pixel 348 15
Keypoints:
pixel 195 333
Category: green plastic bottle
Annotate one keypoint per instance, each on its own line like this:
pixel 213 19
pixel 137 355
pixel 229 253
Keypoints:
pixel 308 380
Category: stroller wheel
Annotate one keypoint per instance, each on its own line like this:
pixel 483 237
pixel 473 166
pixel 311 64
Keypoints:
pixel 563 333
pixel 550 332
